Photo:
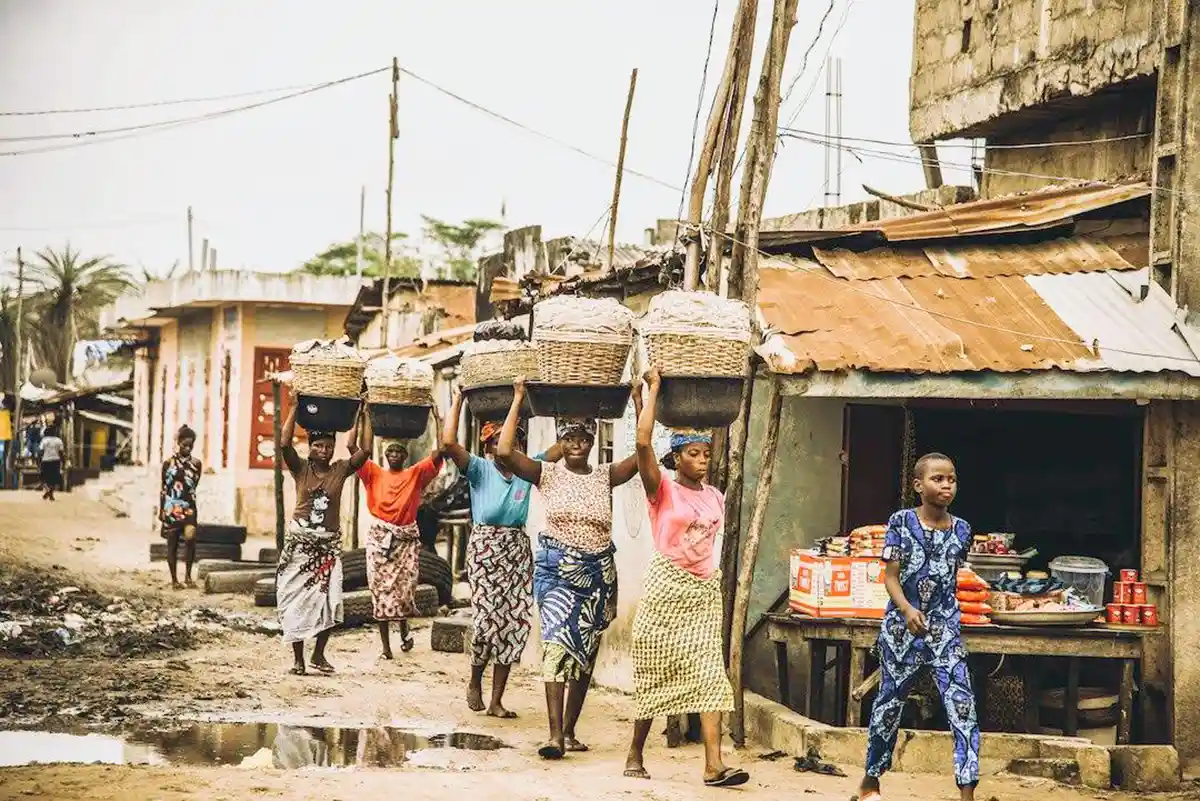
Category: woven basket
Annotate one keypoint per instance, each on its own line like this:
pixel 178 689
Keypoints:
pixel 697 354
pixel 400 394
pixel 574 359
pixel 330 378
pixel 498 366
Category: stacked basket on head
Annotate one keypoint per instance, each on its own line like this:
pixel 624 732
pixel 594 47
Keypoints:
pixel 399 396
pixel 583 347
pixel 327 379
pixel 498 354
pixel 700 343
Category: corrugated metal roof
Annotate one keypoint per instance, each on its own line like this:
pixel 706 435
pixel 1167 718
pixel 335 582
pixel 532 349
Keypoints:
pixel 1010 214
pixel 1068 255
pixel 930 324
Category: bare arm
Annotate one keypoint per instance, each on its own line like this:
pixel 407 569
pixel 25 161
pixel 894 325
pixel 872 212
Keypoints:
pixel 506 449
pixel 361 448
pixel 290 457
pixel 621 472
pixel 450 444
pixel 646 461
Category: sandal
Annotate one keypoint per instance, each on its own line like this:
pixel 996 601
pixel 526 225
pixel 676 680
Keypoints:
pixel 730 777
pixel 323 667
pixel 637 773
pixel 406 644
pixel 298 670
pixel 550 751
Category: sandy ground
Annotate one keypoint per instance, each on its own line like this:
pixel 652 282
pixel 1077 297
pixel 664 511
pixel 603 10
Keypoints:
pixel 239 676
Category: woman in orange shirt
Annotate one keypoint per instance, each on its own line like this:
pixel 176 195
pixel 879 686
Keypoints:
pixel 393 541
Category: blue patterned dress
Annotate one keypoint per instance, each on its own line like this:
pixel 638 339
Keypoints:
pixel 929 562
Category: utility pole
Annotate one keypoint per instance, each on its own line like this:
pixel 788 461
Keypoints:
pixel 393 135
pixel 191 264
pixel 612 227
pixel 362 212
pixel 18 379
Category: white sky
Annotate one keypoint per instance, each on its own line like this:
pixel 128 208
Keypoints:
pixel 272 186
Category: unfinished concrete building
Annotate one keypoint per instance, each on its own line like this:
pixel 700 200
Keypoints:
pixel 1094 90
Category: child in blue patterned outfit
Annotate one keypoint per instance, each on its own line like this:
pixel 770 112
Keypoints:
pixel 924 549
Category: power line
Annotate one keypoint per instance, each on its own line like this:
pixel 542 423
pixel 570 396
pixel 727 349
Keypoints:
pixel 212 115
pixel 712 30
pixel 155 103
pixel 808 51
pixel 968 145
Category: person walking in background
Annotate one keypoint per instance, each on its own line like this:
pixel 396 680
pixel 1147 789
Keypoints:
pixel 574 574
pixel 177 504
pixel 6 437
pixel 499 559
pixel 50 455
pixel 678 660
pixel 308 579
pixel 923 551
pixel 394 541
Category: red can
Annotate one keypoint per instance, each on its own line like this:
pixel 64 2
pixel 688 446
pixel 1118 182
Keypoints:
pixel 1112 613
pixel 1139 594
pixel 1129 576
pixel 1122 593
pixel 1149 615
pixel 1131 615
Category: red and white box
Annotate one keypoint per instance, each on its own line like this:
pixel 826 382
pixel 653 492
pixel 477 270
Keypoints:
pixel 837 586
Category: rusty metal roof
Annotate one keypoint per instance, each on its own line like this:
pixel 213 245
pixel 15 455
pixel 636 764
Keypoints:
pixel 1047 208
pixel 1067 255
pixel 1004 323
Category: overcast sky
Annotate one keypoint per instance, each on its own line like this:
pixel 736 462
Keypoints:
pixel 272 186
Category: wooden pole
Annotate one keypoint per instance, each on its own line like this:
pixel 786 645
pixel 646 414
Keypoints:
pixel 727 156
pixel 741 604
pixel 362 216
pixel 734 468
pixel 191 256
pixel 393 135
pixel 18 379
pixel 612 227
pixel 277 400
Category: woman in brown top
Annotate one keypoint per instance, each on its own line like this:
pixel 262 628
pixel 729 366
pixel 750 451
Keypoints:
pixel 574 574
pixel 308 581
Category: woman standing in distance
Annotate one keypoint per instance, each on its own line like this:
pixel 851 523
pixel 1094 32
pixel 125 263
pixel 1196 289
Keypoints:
pixel 574 575
pixel 499 559
pixel 177 509
pixel 678 663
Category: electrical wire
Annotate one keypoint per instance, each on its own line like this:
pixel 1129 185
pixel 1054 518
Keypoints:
pixel 712 31
pixel 155 103
pixel 212 115
pixel 808 51
pixel 968 145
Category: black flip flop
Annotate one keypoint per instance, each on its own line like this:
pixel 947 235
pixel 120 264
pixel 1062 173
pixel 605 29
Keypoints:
pixel 407 645
pixel 298 671
pixel 730 777
pixel 550 751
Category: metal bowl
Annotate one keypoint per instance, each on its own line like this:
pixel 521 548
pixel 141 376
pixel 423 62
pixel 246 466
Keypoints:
pixel 604 401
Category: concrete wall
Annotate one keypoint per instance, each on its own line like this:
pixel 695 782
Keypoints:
pixel 1019 54
pixel 1184 580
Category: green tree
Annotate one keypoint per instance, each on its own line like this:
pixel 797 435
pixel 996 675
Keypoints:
pixel 69 292
pixel 459 243
pixel 341 258
pixel 9 337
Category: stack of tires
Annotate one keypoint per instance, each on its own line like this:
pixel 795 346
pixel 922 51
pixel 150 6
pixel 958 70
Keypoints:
pixel 213 541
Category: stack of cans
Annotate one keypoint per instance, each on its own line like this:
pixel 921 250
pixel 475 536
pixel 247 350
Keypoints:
pixel 1130 604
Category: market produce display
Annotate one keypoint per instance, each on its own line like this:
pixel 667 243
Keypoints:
pixel 972 593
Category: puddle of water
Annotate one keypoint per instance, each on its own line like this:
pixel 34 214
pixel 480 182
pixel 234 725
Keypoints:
pixel 248 745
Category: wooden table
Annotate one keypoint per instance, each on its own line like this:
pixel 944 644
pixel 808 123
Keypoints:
pixel 858 636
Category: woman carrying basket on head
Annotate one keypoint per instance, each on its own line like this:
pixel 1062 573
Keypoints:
pixel 678 662
pixel 575 576
pixel 393 540
pixel 499 559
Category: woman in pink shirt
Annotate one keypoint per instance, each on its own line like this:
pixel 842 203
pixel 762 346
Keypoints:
pixel 678 664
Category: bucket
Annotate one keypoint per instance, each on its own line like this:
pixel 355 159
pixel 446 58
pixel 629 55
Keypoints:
pixel 321 413
pixel 604 401
pixel 1086 575
pixel 394 421
pixel 699 401
pixel 491 402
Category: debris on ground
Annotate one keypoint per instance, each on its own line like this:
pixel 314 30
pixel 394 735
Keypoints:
pixel 812 763
pixel 42 616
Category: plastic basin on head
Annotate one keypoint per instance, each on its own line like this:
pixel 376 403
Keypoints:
pixel 396 421
pixel 699 401
pixel 491 402
pixel 319 413
pixel 603 401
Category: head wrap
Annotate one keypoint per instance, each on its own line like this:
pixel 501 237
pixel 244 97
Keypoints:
pixel 388 444
pixel 566 426
pixel 313 436
pixel 686 436
pixel 490 431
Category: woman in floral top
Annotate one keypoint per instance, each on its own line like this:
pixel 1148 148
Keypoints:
pixel 177 504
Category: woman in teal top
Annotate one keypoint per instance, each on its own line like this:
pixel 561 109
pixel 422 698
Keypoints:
pixel 499 561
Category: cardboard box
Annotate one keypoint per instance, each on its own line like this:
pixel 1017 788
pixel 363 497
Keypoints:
pixel 837 586
pixel 869 596
pixel 804 595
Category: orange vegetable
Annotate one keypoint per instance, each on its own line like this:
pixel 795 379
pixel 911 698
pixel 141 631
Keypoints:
pixel 976 596
pixel 969 580
pixel 976 620
pixel 974 608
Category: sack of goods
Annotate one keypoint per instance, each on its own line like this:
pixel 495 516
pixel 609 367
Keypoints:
pixel 973 594
pixel 697 334
pixel 582 340
pixel 327 369
pixel 399 396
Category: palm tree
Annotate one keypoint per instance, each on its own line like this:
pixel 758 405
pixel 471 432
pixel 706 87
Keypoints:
pixel 70 292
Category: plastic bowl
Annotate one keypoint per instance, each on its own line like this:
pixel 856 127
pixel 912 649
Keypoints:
pixel 396 421
pixel 603 401
pixel 319 413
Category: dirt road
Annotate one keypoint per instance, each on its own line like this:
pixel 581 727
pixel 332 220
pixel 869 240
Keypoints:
pixel 240 676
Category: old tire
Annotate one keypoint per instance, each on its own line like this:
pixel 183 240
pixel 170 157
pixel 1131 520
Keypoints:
pixel 204 550
pixel 426 597
pixel 221 534
pixel 357 609
pixel 264 592
pixel 206 566
pixel 435 571
pixel 235 581
pixel 354 570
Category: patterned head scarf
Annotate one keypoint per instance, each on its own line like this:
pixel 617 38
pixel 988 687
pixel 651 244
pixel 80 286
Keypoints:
pixel 490 431
pixel 566 426
pixel 686 436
